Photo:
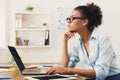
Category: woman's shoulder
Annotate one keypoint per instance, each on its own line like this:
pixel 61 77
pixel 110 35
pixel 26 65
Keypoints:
pixel 104 39
pixel 101 36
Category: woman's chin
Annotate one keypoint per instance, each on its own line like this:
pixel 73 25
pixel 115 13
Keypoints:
pixel 71 30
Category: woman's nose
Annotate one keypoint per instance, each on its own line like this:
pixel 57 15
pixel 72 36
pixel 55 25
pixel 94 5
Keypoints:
pixel 69 21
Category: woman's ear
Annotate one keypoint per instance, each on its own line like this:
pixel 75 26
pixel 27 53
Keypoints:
pixel 85 22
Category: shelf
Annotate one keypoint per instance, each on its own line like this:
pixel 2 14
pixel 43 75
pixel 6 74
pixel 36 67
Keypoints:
pixel 32 13
pixel 32 29
pixel 33 46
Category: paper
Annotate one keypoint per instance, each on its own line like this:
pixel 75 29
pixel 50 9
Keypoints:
pixel 3 69
pixel 7 69
pixel 6 65
pixel 5 77
pixel 11 69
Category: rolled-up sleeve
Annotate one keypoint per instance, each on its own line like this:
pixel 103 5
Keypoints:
pixel 73 57
pixel 105 57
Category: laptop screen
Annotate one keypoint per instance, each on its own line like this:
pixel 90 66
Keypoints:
pixel 16 58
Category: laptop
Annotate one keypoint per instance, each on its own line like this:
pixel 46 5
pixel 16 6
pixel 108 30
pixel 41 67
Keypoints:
pixel 42 71
pixel 21 66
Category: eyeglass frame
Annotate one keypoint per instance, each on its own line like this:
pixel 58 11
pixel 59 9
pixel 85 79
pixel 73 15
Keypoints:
pixel 71 19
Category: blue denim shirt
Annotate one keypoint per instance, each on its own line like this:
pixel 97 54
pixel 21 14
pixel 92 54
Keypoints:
pixel 102 57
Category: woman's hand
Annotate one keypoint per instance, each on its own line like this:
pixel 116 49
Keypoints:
pixel 57 69
pixel 68 35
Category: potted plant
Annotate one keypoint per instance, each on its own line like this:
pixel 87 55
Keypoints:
pixel 29 8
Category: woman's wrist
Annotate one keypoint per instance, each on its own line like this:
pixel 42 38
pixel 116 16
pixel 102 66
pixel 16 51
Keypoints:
pixel 68 70
pixel 65 40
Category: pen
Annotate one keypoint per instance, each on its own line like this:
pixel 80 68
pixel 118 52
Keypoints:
pixel 47 66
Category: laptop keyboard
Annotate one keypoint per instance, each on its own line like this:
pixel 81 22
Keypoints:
pixel 32 70
pixel 49 77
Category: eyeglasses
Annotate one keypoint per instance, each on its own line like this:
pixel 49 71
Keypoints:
pixel 71 19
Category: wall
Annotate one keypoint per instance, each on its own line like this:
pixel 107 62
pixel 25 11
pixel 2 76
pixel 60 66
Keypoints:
pixel 3 34
pixel 3 23
pixel 109 27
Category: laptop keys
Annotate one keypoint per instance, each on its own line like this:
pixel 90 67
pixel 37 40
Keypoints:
pixel 32 70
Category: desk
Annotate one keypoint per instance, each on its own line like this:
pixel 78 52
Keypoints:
pixel 16 75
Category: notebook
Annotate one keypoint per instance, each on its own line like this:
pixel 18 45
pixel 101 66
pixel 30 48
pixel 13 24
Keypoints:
pixel 21 66
pixel 5 77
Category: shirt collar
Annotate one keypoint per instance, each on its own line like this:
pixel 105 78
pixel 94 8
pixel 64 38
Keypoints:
pixel 94 35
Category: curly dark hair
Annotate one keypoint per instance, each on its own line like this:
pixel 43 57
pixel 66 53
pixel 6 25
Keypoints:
pixel 93 13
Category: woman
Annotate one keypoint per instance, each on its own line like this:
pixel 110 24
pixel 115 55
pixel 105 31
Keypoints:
pixel 93 50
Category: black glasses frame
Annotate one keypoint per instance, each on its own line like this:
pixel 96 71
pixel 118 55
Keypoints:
pixel 71 19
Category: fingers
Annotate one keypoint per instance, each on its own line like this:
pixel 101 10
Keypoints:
pixel 70 34
pixel 50 71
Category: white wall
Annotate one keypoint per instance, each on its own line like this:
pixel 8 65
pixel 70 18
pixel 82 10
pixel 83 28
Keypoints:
pixel 110 26
pixel 3 34
pixel 2 23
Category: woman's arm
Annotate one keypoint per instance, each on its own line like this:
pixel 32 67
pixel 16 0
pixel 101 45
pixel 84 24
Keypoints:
pixel 63 70
pixel 82 72
pixel 65 58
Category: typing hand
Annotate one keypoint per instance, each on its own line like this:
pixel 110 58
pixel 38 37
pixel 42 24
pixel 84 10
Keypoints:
pixel 57 70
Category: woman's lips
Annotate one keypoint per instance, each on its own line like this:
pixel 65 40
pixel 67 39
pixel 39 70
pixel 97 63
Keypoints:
pixel 69 25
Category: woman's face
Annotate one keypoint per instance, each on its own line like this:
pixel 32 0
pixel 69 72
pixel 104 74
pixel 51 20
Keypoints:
pixel 75 21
